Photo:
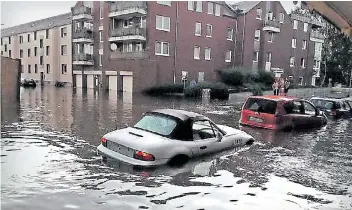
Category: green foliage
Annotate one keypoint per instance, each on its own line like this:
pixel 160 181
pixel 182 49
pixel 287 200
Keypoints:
pixel 164 89
pixel 217 90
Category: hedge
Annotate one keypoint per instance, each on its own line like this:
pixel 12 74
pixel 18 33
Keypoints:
pixel 164 89
pixel 217 90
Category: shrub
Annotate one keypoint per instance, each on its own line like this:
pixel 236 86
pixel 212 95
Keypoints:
pixel 218 90
pixel 232 77
pixel 164 89
pixel 266 78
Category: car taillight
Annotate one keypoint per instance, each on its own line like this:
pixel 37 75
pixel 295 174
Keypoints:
pixel 333 112
pixel 103 141
pixel 143 156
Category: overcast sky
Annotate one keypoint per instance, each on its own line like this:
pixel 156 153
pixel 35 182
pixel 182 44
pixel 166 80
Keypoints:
pixel 18 12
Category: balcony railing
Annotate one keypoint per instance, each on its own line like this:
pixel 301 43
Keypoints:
pixel 83 57
pixel 118 32
pixel 129 55
pixel 317 35
pixel 81 11
pixel 272 23
pixel 85 33
pixel 308 18
pixel 128 5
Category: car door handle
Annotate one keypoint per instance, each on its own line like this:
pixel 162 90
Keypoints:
pixel 203 147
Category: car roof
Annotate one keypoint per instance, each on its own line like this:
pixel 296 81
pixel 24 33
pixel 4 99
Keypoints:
pixel 275 98
pixel 327 99
pixel 177 113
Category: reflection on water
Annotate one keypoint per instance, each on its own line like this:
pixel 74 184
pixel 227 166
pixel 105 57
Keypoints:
pixel 49 159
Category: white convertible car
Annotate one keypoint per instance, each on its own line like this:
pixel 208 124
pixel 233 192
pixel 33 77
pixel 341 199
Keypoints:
pixel 170 136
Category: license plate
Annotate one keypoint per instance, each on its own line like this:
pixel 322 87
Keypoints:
pixel 255 119
pixel 120 149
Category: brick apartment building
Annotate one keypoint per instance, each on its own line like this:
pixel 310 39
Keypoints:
pixel 269 39
pixel 133 45
pixel 44 47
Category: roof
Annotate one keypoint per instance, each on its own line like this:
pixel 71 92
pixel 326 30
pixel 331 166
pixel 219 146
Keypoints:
pixel 328 99
pixel 180 114
pixel 47 23
pixel 246 6
pixel 275 98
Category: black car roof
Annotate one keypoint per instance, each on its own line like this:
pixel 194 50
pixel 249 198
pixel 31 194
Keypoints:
pixel 328 99
pixel 180 114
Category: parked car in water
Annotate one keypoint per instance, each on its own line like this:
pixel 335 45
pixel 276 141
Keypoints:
pixel 170 136
pixel 280 113
pixel 333 107
pixel 28 83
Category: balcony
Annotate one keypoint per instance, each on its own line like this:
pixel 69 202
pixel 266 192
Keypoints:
pixel 129 55
pixel 271 25
pixel 126 9
pixel 309 18
pixel 82 59
pixel 316 36
pixel 82 12
pixel 316 72
pixel 83 35
pixel 130 34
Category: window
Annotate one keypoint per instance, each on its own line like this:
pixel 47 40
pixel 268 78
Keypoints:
pixel 21 53
pixel 268 57
pixel 29 52
pixel 5 47
pixel 9 40
pixel 1 42
pixel 217 9
pixel 292 61
pixel 63 49
pixel 199 7
pixel 166 3
pixel 259 14
pixel 269 16
pixel 203 129
pixel 47 50
pixel 200 76
pixel 295 24
pixel 10 54
pixel 41 60
pixel 309 109
pixel 318 46
pixel 210 8
pixel 35 68
pixel 157 124
pixel 21 39
pixel 47 34
pixel 305 27
pixel 41 45
pixel 294 42
pixel 162 48
pixel 35 35
pixel 304 45
pixel 257 35
pixel 64 68
pixel 101 13
pixel 300 81
pixel 2 52
pixel 195 6
pixel 101 36
pixel 228 56
pixel 196 52
pixel 127 23
pixel 100 60
pixel 282 17
pixel 35 51
pixel 22 70
pixel 162 23
pixel 63 32
pixel 271 37
pixel 29 69
pixel 209 30
pixel 255 56
pixel 229 34
pixel 207 52
pixel 262 105
pixel 28 37
pixel 316 64
pixel 198 30
pixel 48 68
pixel 303 63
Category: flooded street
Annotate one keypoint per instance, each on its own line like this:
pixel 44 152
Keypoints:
pixel 49 160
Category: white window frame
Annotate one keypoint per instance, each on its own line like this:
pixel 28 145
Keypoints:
pixel 304 44
pixel 229 30
pixel 292 62
pixel 230 56
pixel 101 36
pixel 210 9
pixel 211 30
pixel 63 32
pixel 271 37
pixel 303 63
pixel 62 68
pixel 318 47
pixel 200 29
pixel 63 52
pixel 257 38
pixel 195 49
pixel 199 6
pixel 305 27
pixel 207 49
pixel 217 10
pixel 259 14
pixel 294 43
pixel 100 60
pixel 282 17
pixel 269 57
pixel 165 3
pixel 101 13
pixel 269 16
pixel 190 5
pixel 295 24
pixel 316 64
pixel 255 56
pixel 163 19
pixel 162 49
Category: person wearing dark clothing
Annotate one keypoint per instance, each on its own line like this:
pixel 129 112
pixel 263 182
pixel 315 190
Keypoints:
pixel 286 86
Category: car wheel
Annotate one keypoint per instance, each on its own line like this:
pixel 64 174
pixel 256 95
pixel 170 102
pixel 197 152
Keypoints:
pixel 178 160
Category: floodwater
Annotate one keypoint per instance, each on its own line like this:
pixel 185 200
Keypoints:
pixel 49 160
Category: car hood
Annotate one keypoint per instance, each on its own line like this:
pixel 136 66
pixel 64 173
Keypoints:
pixel 232 131
pixel 134 138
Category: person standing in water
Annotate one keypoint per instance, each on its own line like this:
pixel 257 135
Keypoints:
pixel 275 87
pixel 287 86
pixel 282 86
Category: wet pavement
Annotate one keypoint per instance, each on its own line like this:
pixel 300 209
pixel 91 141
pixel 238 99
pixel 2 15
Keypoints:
pixel 49 161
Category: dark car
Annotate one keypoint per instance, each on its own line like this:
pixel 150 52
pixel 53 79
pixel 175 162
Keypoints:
pixel 28 83
pixel 333 107
pixel 280 113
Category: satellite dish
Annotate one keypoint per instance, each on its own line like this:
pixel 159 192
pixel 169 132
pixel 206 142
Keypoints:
pixel 113 46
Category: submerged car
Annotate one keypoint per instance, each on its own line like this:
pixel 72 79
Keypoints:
pixel 28 83
pixel 280 113
pixel 333 107
pixel 170 136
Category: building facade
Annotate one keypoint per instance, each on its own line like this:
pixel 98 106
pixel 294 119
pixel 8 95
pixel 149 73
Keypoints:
pixel 44 47
pixel 136 45
pixel 271 40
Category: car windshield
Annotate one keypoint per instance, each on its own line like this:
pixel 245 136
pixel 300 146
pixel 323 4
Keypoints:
pixel 322 104
pixel 157 124
pixel 261 105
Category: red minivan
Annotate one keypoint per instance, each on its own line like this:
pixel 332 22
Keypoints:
pixel 280 112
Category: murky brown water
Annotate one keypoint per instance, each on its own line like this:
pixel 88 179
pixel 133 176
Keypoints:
pixel 49 161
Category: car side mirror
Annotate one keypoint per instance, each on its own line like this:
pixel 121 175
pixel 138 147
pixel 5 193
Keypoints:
pixel 218 136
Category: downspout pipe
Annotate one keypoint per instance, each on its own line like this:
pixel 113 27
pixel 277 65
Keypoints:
pixel 243 37
pixel 175 49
